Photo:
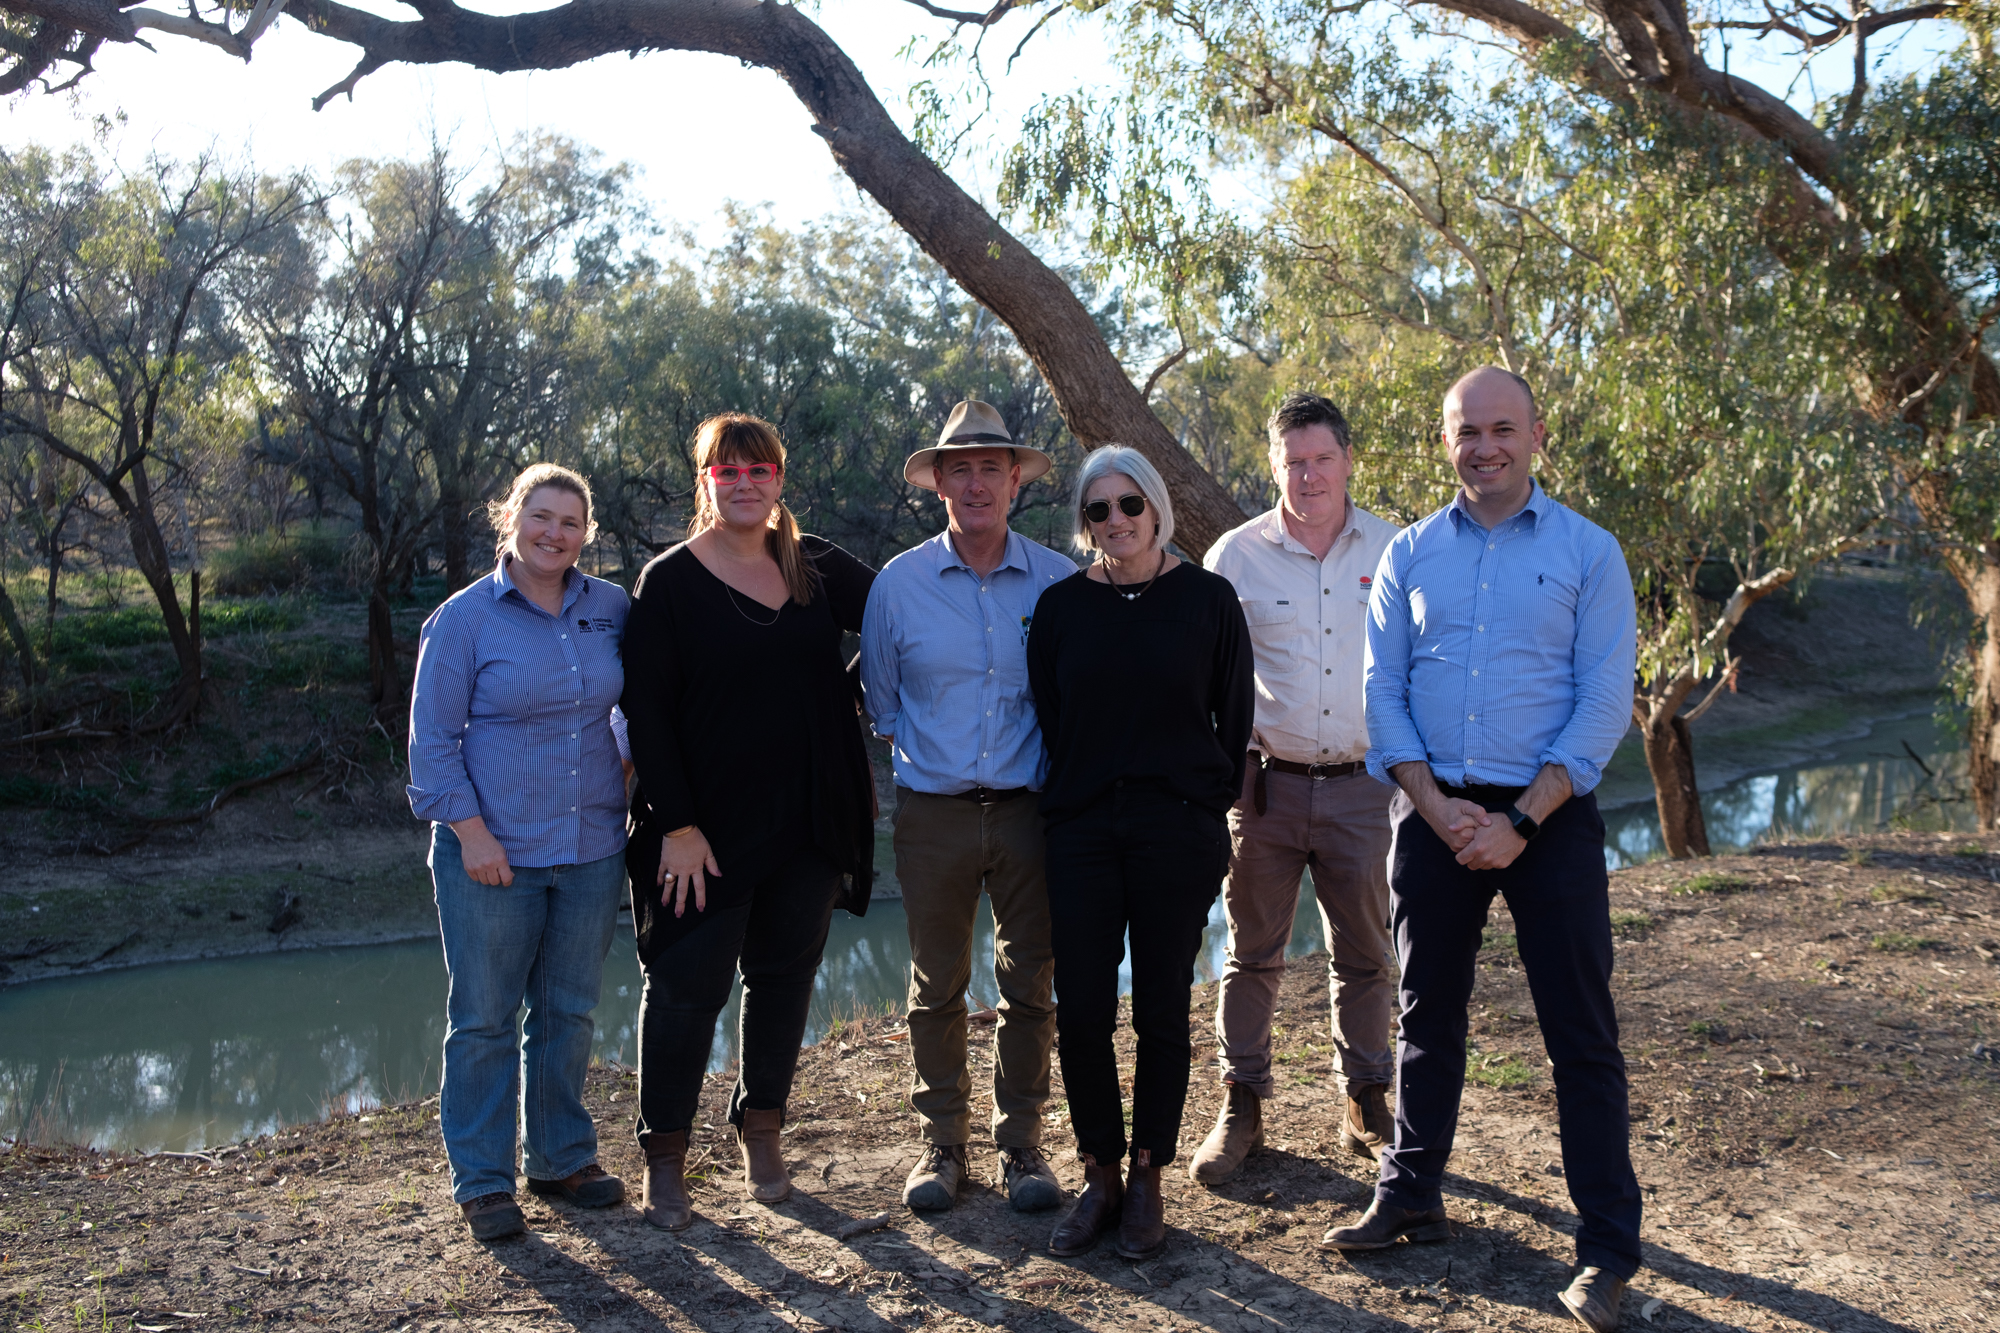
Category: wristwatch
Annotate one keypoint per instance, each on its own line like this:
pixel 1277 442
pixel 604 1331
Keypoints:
pixel 1523 825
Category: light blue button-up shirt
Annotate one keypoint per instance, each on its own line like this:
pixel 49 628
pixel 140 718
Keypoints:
pixel 1491 654
pixel 944 664
pixel 510 719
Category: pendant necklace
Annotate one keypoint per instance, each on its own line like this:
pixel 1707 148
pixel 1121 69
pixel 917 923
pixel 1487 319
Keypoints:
pixel 1135 596
pixel 761 624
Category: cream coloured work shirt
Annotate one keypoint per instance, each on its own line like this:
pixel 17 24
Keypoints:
pixel 1308 624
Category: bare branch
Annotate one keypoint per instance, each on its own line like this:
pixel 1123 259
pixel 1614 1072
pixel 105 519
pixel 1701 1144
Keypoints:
pixel 966 16
pixel 1726 680
pixel 1943 372
pixel 1153 379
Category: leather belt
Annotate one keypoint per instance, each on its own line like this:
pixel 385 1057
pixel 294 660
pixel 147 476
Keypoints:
pixel 1317 772
pixel 988 796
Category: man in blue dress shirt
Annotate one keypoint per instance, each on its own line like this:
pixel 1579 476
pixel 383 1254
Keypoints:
pixel 1501 648
pixel 945 669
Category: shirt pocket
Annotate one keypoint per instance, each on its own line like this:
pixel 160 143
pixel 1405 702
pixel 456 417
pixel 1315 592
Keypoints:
pixel 1274 630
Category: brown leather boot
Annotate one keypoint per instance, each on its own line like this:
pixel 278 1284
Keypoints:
pixel 1238 1132
pixel 1094 1212
pixel 665 1203
pixel 1142 1223
pixel 1369 1127
pixel 1384 1224
pixel 763 1156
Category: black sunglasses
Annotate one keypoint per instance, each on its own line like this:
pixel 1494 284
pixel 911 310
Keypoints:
pixel 1129 505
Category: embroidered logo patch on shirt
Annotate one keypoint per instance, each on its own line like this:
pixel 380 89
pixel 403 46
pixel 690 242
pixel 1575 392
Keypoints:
pixel 1367 582
pixel 586 625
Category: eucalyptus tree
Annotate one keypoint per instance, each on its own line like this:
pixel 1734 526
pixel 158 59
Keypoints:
pixel 1681 255
pixel 132 347
pixel 50 43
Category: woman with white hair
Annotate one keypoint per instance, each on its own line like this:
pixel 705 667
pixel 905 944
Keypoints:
pixel 1142 674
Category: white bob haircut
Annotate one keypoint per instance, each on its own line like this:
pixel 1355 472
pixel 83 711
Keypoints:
pixel 1109 459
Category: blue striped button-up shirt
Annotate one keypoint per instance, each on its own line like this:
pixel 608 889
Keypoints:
pixel 510 719
pixel 1493 653
pixel 944 663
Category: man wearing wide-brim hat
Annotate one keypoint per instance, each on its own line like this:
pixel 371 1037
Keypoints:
pixel 944 666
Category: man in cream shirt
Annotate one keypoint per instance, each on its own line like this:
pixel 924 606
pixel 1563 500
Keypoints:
pixel 1303 572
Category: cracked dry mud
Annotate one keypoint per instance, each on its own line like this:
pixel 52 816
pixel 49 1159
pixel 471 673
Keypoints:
pixel 1813 1130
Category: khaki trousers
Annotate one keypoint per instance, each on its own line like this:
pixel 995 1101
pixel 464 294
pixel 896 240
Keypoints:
pixel 947 852
pixel 1338 828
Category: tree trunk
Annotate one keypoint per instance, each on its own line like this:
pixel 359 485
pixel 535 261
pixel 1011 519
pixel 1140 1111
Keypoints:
pixel 456 534
pixel 18 634
pixel 1982 726
pixel 149 553
pixel 1670 761
pixel 385 682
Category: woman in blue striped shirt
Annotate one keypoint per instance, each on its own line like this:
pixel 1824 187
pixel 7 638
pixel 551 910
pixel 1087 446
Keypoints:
pixel 513 761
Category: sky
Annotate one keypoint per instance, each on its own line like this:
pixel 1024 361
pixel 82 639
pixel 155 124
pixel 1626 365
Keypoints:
pixel 702 129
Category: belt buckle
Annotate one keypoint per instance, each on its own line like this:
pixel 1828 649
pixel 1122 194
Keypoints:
pixel 1313 772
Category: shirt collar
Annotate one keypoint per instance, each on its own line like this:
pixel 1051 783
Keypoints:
pixel 1275 531
pixel 1537 506
pixel 502 582
pixel 1015 557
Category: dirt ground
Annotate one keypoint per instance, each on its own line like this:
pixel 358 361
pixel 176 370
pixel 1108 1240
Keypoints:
pixel 1815 1096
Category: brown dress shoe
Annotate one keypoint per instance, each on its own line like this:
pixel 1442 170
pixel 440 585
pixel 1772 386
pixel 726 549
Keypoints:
pixel 493 1217
pixel 1094 1212
pixel 591 1187
pixel 1593 1298
pixel 665 1201
pixel 1142 1222
pixel 1238 1132
pixel 763 1156
pixel 1368 1128
pixel 1384 1224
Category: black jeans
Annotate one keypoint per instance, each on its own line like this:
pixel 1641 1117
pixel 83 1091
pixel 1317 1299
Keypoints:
pixel 1144 862
pixel 1557 890
pixel 778 936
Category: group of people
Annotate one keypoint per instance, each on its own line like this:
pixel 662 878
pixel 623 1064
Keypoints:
pixel 1416 717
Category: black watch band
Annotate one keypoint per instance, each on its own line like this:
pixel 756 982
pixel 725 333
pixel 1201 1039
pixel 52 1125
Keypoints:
pixel 1523 825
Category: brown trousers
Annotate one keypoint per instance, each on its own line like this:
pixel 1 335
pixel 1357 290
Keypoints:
pixel 947 852
pixel 1338 828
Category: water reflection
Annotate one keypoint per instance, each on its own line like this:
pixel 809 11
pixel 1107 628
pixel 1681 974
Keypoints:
pixel 186 1054
pixel 1865 785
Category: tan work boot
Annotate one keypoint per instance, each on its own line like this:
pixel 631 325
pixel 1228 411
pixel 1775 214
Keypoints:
pixel 764 1156
pixel 1593 1298
pixel 1238 1132
pixel 933 1182
pixel 665 1202
pixel 1368 1127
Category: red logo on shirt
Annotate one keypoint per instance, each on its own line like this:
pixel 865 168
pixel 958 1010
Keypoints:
pixel 1366 580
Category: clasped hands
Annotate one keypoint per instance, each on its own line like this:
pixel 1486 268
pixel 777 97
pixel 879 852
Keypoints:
pixel 1481 840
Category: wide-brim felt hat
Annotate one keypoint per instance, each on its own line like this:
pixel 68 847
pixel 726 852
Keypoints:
pixel 974 425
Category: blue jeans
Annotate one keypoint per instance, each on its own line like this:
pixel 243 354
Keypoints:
pixel 541 940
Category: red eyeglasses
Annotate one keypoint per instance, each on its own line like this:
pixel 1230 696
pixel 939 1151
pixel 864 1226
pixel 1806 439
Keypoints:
pixel 728 474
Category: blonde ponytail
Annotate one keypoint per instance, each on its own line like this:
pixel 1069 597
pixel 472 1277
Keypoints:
pixel 741 438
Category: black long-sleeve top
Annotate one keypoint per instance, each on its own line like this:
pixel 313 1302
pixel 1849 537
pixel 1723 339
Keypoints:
pixel 742 721
pixel 1160 689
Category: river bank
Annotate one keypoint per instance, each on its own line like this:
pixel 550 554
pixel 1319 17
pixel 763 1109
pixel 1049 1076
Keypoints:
pixel 1809 1029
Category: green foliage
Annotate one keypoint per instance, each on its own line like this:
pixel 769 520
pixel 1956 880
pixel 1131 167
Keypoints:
pixel 1901 893
pixel 266 562
pixel 1896 941
pixel 1710 882
pixel 1497 1069
pixel 1626 923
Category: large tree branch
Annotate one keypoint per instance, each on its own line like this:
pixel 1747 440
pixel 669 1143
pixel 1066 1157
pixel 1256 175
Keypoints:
pixel 1097 398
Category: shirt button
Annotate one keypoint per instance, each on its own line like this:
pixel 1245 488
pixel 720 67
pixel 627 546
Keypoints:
pixel 1489 546
pixel 989 712
pixel 1329 671
pixel 989 629
pixel 572 809
pixel 1485 585
pixel 565 636
pixel 1475 671
pixel 1482 630
pixel 989 671
pixel 573 668
pixel 1472 717
pixel 1325 591
pixel 572 735
pixel 572 772
pixel 1326 712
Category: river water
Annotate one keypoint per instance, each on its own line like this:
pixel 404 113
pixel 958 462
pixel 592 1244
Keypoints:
pixel 182 1055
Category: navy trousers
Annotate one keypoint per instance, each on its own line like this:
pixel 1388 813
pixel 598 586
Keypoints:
pixel 1558 891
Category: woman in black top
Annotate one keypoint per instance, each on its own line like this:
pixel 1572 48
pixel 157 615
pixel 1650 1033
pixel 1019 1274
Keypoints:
pixel 1142 674
pixel 754 808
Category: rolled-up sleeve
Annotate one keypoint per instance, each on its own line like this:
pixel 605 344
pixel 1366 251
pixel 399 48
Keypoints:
pixel 1606 656
pixel 881 663
pixel 440 789
pixel 1392 734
